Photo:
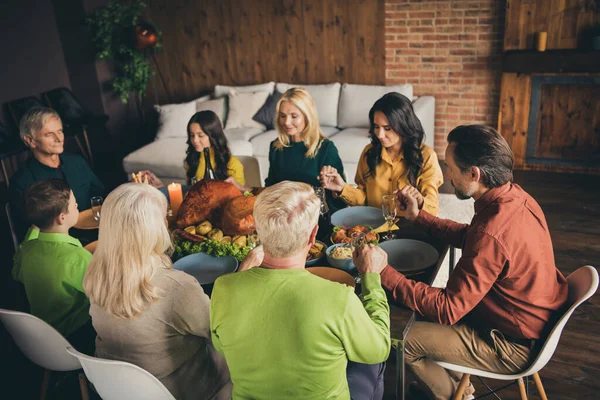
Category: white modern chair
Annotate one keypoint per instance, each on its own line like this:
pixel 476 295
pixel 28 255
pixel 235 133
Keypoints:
pixel 251 171
pixel 118 380
pixel 583 283
pixel 11 225
pixel 43 345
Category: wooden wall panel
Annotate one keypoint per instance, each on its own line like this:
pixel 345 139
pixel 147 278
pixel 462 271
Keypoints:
pixel 564 20
pixel 237 42
pixel 514 113
pixel 569 122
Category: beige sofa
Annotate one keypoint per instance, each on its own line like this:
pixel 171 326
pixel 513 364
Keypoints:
pixel 343 114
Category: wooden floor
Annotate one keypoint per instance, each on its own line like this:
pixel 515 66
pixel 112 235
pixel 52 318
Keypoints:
pixel 572 207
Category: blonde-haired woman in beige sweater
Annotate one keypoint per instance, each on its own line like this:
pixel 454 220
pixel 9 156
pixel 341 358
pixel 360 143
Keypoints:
pixel 145 312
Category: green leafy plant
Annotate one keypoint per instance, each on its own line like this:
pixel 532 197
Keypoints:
pixel 113 34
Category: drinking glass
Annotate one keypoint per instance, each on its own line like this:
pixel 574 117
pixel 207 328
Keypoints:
pixel 388 207
pixel 320 192
pixel 193 181
pixel 96 206
pixel 253 239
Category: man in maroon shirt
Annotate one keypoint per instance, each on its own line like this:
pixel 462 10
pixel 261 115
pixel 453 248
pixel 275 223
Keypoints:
pixel 504 293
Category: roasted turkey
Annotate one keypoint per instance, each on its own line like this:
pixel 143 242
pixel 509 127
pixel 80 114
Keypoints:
pixel 204 201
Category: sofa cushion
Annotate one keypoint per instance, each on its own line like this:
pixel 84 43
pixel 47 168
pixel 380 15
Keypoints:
pixel 242 133
pixel 221 91
pixel 242 107
pixel 173 119
pixel 266 114
pixel 357 100
pixel 217 106
pixel 350 144
pixel 165 157
pixel 260 142
pixel 326 99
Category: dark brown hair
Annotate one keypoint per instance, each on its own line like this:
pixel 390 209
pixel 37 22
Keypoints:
pixel 483 147
pixel 211 125
pixel 401 116
pixel 45 200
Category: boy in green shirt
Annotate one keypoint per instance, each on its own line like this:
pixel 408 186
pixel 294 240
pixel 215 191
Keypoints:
pixel 288 334
pixel 51 264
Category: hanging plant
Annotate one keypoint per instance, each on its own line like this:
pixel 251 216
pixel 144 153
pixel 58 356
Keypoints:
pixel 120 36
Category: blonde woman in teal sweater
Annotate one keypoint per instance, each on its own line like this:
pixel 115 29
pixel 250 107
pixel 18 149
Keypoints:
pixel 287 334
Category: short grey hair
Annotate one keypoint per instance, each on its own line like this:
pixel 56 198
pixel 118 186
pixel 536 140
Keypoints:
pixel 34 120
pixel 285 215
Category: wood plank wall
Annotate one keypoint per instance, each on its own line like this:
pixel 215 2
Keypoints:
pixel 566 22
pixel 237 42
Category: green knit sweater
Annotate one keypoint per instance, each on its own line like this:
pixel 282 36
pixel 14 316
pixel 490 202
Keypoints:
pixel 288 334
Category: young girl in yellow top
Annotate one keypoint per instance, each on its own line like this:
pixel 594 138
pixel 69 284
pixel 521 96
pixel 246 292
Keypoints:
pixel 206 131
pixel 395 158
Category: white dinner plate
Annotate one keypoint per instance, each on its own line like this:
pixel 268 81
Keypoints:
pixel 205 268
pixel 409 254
pixel 359 215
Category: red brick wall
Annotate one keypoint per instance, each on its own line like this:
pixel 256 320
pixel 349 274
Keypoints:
pixel 450 50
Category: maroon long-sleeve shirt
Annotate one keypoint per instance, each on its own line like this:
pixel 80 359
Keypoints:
pixel 506 278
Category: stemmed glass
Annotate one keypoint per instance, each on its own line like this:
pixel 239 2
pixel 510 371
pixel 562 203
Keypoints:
pixel 320 192
pixel 388 207
pixel 96 203
pixel 253 239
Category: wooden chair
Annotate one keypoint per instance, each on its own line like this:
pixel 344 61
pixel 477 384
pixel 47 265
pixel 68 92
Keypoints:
pixel 583 283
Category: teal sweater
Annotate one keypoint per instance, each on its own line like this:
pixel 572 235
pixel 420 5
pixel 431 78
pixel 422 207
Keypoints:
pixel 291 164
pixel 287 334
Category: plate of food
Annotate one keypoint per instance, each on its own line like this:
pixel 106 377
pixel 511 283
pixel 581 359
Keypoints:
pixel 345 235
pixel 333 275
pixel 410 255
pixel 316 253
pixel 358 215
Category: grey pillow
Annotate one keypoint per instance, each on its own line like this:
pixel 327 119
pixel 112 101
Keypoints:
pixel 266 114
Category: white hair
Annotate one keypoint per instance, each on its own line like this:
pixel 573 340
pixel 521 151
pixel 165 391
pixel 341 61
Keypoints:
pixel 133 241
pixel 285 215
pixel 34 121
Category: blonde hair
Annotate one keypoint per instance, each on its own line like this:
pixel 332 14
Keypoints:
pixel 312 136
pixel 285 216
pixel 133 241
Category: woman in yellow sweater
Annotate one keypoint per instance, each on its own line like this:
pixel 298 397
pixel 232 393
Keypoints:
pixel 205 131
pixel 395 158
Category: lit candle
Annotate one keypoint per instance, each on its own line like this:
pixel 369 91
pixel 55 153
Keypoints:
pixel 176 197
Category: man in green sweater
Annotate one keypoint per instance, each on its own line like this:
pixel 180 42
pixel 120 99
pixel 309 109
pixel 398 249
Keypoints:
pixel 287 334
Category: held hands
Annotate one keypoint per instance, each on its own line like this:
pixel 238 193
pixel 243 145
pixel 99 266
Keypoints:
pixel 253 259
pixel 411 201
pixel 148 177
pixel 331 179
pixel 235 183
pixel 370 258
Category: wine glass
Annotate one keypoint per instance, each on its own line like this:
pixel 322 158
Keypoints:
pixel 388 207
pixel 320 192
pixel 96 203
pixel 253 239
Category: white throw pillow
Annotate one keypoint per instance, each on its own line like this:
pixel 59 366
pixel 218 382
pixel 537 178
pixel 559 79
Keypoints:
pixel 221 91
pixel 242 107
pixel 357 100
pixel 217 106
pixel 326 99
pixel 173 119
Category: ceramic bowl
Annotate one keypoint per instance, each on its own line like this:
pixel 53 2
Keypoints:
pixel 205 268
pixel 345 264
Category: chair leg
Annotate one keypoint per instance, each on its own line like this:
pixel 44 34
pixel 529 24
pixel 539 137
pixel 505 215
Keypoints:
pixel 539 386
pixel 83 386
pixel 522 389
pixel 89 148
pixel 81 148
pixel 5 173
pixel 45 382
pixel 460 390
